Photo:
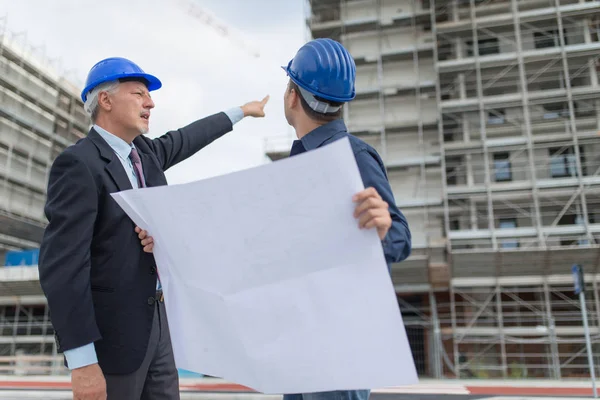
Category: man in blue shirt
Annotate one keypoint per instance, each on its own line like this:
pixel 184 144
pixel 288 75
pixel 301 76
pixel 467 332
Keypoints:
pixel 322 76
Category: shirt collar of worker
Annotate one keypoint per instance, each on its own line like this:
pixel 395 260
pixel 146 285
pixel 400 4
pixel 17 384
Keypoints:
pixel 317 137
pixel 121 147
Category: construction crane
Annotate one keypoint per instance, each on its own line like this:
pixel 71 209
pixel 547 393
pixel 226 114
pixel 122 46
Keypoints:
pixel 209 19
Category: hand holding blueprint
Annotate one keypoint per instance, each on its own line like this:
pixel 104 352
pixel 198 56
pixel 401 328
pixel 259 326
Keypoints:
pixel 268 280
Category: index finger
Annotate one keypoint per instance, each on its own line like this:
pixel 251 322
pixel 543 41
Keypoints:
pixel 264 101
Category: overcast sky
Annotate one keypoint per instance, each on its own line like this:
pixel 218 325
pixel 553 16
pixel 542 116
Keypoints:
pixel 202 72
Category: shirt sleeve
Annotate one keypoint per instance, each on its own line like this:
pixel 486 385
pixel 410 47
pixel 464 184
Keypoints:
pixel 81 356
pixel 397 242
pixel 235 115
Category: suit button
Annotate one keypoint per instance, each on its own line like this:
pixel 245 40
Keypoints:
pixel 152 271
pixel 150 301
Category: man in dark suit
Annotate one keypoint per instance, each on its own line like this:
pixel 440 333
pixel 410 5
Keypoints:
pixel 103 291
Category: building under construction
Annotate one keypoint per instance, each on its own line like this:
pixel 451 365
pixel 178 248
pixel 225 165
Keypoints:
pixel 487 115
pixel 40 115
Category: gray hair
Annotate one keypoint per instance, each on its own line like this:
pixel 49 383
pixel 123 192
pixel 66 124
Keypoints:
pixel 91 104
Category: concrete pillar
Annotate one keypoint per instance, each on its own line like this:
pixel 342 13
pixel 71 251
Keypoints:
pixel 461 86
pixel 473 214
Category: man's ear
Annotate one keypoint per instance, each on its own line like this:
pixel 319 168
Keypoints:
pixel 104 101
pixel 294 99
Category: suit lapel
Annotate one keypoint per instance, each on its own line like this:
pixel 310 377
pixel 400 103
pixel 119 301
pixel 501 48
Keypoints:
pixel 153 173
pixel 118 174
pixel 113 167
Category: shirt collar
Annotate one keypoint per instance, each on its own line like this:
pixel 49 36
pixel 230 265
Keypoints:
pixel 119 146
pixel 317 137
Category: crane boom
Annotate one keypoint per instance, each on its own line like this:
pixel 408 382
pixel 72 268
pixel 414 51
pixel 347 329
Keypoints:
pixel 211 20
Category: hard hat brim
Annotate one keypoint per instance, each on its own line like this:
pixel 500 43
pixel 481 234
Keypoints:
pixel 152 82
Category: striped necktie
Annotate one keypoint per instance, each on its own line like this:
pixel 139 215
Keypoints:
pixel 137 166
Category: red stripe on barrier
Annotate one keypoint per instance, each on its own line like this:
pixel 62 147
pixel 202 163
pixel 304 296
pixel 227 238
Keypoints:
pixel 529 391
pixel 236 388
pixel 202 387
pixel 34 385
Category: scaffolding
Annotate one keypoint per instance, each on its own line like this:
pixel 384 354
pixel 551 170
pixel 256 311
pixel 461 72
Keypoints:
pixel 40 115
pixel 27 345
pixel 519 125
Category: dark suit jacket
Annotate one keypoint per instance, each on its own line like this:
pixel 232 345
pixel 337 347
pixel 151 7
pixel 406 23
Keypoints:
pixel 98 281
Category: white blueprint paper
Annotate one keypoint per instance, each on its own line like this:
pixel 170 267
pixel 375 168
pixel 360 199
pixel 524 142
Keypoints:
pixel 270 283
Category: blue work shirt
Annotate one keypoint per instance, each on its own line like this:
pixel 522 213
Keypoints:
pixel 397 242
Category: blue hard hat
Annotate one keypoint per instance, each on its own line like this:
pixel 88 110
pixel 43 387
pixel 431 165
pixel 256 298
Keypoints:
pixel 324 68
pixel 114 68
